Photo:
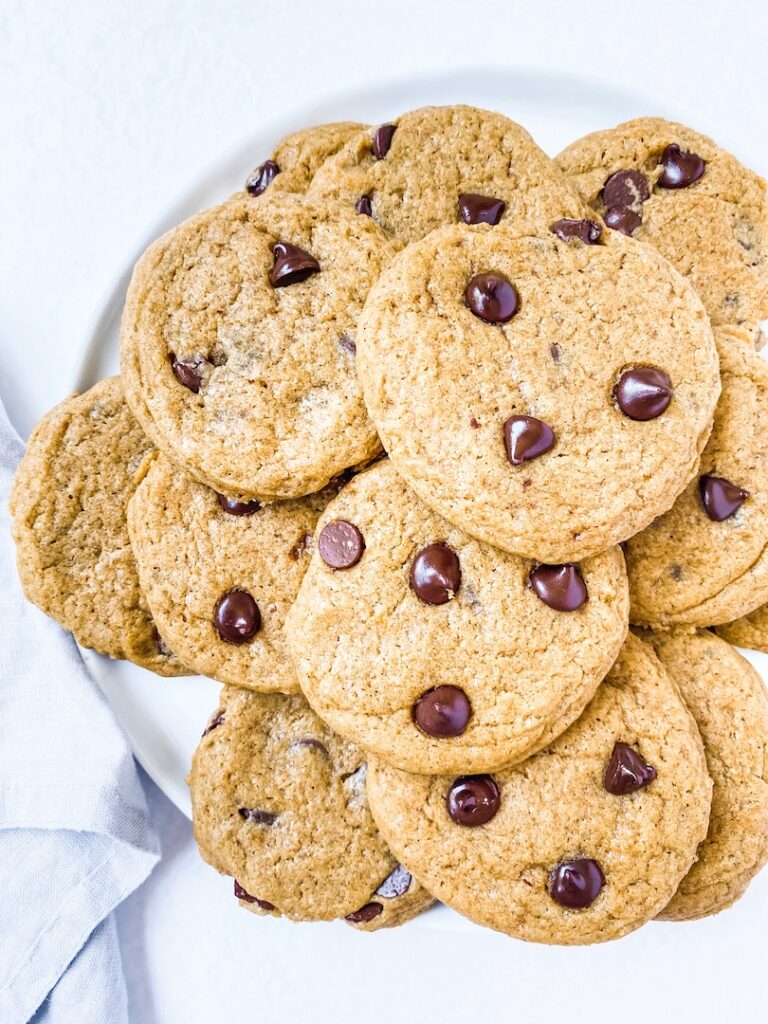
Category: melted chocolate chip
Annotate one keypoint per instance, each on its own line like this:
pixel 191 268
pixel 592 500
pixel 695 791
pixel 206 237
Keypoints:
pixel 382 140
pixel 643 393
pixel 680 169
pixel 262 177
pixel 576 883
pixel 187 371
pixel 626 188
pixel 526 438
pixel 292 265
pixel 257 816
pixel 473 800
pixel 435 574
pixel 237 618
pixel 395 884
pixel 340 544
pixel 364 914
pixel 621 218
pixel 586 231
pixel 476 209
pixel 247 898
pixel 216 721
pixel 309 741
pixel 442 712
pixel 720 498
pixel 492 298
pixel 559 586
pixel 626 771
pixel 234 507
pixel 363 205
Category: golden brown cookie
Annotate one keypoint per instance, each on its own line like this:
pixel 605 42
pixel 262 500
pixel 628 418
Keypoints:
pixel 442 165
pixel 297 157
pixel 750 631
pixel 278 802
pixel 728 700
pixel 549 397
pixel 705 561
pixel 238 342
pixel 69 522
pixel 583 842
pixel 668 185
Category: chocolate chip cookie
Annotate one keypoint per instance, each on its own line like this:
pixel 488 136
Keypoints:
pixel 548 396
pixel 436 651
pixel 69 522
pixel 728 700
pixel 279 803
pixel 705 561
pixel 221 573
pixel 446 165
pixel 581 843
pixel 668 185
pixel 238 343
pixel 297 157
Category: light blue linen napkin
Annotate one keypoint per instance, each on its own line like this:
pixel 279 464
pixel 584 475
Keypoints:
pixel 75 836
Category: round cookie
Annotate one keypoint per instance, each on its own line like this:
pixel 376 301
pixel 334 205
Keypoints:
pixel 750 631
pixel 238 342
pixel 549 397
pixel 705 561
pixel 700 207
pixel 69 522
pixel 278 802
pixel 728 700
pixel 544 851
pixel 436 651
pixel 220 575
pixel 297 157
pixel 441 165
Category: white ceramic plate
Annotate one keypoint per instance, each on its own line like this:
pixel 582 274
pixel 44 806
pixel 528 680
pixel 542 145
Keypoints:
pixel 164 717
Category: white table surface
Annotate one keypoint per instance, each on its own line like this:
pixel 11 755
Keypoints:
pixel 107 108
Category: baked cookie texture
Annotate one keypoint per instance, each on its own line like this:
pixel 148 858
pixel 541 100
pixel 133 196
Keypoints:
pixel 69 522
pixel 750 631
pixel 296 158
pixel 728 700
pixel 416 171
pixel 279 803
pixel 442 385
pixel 552 824
pixel 372 655
pixel 687 568
pixel 195 549
pixel 250 385
pixel 713 228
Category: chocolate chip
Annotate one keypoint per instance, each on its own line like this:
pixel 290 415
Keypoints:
pixel 237 617
pixel 586 231
pixel 476 209
pixel 309 741
pixel 559 586
pixel 364 914
pixel 555 352
pixel 576 883
pixel 234 507
pixel 474 423
pixel 292 265
pixel 187 371
pixel 526 438
pixel 720 498
pixel 442 712
pixel 257 816
pixel 262 177
pixel 382 140
pixel 347 344
pixel 621 218
pixel 676 572
pixel 395 884
pixel 435 574
pixel 302 544
pixel 643 393
pixel 340 544
pixel 626 188
pixel 336 483
pixel 473 800
pixel 247 898
pixel 216 721
pixel 626 771
pixel 363 205
pixel 492 297
pixel 681 169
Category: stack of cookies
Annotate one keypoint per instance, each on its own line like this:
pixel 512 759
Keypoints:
pixel 408 434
